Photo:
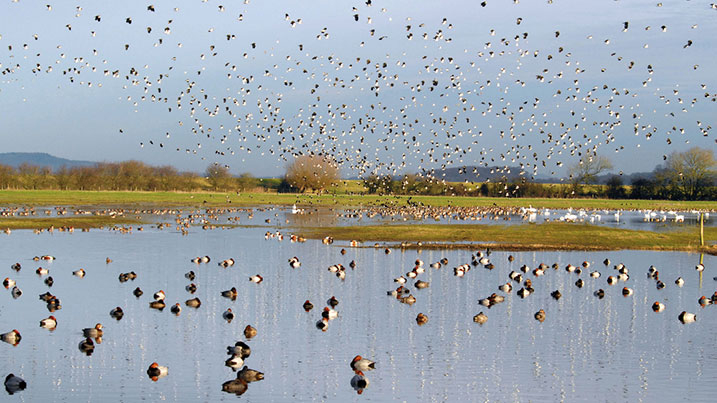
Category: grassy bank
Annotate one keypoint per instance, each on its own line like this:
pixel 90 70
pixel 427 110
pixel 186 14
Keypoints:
pixel 553 236
pixel 127 198
pixel 57 222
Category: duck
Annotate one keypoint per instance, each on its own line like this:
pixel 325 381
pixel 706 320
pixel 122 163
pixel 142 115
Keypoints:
pixel 191 288
pixel 556 294
pixel 420 284
pixel 308 305
pixel 227 263
pixel 658 306
pixel 47 296
pixel 87 346
pixel 623 277
pixel 680 282
pixel 421 319
pixel 228 315
pixel 49 323
pixel 256 279
pixel 176 309
pixel 294 263
pixel 12 337
pixel 540 316
pixel 332 302
pixel 359 363
pixel 193 303
pixel 700 267
pixel 53 304
pixel 400 280
pixel 137 292
pixel 93 331
pixel 523 293
pixel 14 384
pixel 79 273
pixel 8 282
pixel 239 348
pixel 234 362
pixel 704 301
pixel 117 313
pixel 231 294
pixel 49 281
pixel 159 295
pixel 611 280
pixel 159 305
pixel 480 318
pixel 329 313
pixel 236 386
pixel 606 262
pixel 595 274
pixel 42 271
pixel 16 292
pixel 660 285
pixel 48 257
pixel 249 331
pixel 410 299
pixel 599 293
pixel 506 288
pixel 190 275
pixel 412 274
pixel 686 317
pixel 250 375
pixel 359 381
pixel 579 283
pixel 626 292
pixel 586 264
pixel 322 324
pixel 156 371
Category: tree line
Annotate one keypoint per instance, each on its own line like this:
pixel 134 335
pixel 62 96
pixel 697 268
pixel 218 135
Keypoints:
pixel 127 175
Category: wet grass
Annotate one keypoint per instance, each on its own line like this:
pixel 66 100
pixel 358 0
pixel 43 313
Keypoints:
pixel 57 222
pixel 547 236
pixel 166 199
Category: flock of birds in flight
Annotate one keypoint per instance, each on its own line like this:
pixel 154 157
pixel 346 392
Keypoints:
pixel 443 103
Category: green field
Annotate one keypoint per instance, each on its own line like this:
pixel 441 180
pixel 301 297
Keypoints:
pixel 552 236
pixel 128 198
pixel 57 222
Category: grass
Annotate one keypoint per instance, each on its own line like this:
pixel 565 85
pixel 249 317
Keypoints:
pixel 552 236
pixel 57 222
pixel 128 198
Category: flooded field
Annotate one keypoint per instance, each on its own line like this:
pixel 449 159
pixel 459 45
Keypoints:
pixel 588 348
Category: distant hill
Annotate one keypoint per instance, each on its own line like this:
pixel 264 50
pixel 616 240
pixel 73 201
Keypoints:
pixel 41 159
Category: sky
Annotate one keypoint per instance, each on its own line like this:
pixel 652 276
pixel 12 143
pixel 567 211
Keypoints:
pixel 391 87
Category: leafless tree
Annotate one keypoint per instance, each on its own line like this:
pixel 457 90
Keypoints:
pixel 312 172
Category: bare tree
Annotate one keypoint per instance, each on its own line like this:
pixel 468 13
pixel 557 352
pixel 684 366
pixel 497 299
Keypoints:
pixel 218 176
pixel 312 172
pixel 691 172
pixel 588 168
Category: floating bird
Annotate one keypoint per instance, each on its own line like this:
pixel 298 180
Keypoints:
pixel 14 384
pixel 249 332
pixel 49 323
pixel 156 371
pixel 359 363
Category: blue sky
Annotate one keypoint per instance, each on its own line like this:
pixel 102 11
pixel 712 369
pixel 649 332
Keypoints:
pixel 563 79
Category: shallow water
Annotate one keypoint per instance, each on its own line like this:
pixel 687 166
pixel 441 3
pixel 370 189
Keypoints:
pixel 611 349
